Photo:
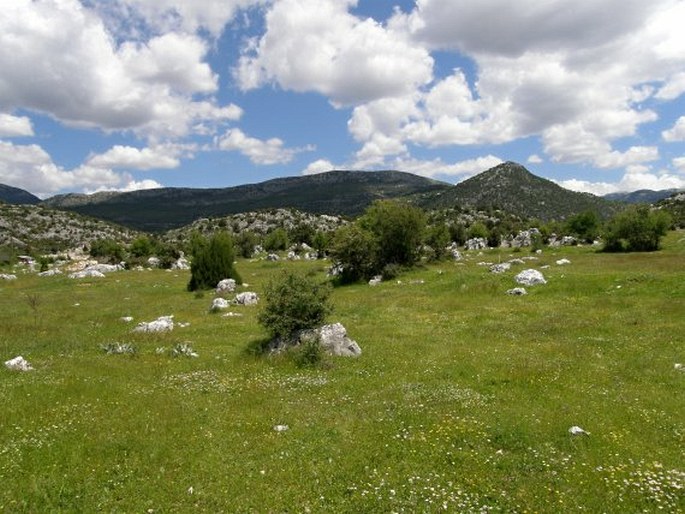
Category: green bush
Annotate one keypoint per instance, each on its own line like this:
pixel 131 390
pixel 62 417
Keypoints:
pixel 212 263
pixel 585 226
pixel 276 240
pixel 355 249
pixel 636 229
pixel 293 302
pixel 246 242
pixel 437 238
pixel 398 229
pixel 108 250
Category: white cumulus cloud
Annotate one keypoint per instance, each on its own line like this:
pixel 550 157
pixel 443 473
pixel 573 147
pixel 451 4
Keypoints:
pixel 270 151
pixel 15 126
pixel 128 157
pixel 317 45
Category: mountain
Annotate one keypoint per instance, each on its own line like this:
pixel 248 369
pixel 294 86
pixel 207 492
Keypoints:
pixel 17 196
pixel 345 193
pixel 512 188
pixel 641 196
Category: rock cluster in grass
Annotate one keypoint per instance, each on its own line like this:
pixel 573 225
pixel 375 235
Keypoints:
pixel 247 298
pixel 5 276
pixel 161 324
pixel 517 291
pixel 333 339
pixel 500 268
pixel 18 364
pixel 476 243
pixel 530 277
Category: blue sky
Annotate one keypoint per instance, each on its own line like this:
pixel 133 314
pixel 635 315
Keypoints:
pixel 128 94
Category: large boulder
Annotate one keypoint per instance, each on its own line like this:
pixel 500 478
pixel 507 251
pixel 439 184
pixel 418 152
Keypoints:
pixel 476 243
pixel 87 273
pixel 530 277
pixel 335 340
pixel 332 338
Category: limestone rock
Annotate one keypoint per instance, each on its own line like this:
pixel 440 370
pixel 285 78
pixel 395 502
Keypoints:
pixel 18 364
pixel 247 298
pixel 87 273
pixel 227 285
pixel 500 268
pixel 161 324
pixel 530 277
pixel 517 291
pixel 219 304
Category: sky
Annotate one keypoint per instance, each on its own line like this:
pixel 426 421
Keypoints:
pixel 129 94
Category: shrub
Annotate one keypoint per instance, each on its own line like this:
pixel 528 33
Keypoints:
pixel 246 242
pixel 108 250
pixel 212 263
pixel 355 249
pixel 438 237
pixel 478 230
pixel 293 302
pixel 636 229
pixel 398 229
pixel 584 226
pixel 276 240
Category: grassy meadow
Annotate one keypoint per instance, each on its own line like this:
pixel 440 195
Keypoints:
pixel 461 400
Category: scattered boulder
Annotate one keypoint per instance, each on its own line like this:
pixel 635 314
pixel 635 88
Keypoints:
pixel 500 268
pixel 4 276
pixel 281 428
pixel 517 291
pixel 181 263
pixel 227 285
pixel 292 256
pixel 516 261
pixel 161 324
pixel 561 262
pixel 219 304
pixel 126 319
pixel 18 364
pixel 476 243
pixel 153 262
pixel 273 257
pixel 530 277
pixel 576 430
pixel 376 280
pixel 50 273
pixel 679 367
pixel 247 298
pixel 333 338
pixel 87 273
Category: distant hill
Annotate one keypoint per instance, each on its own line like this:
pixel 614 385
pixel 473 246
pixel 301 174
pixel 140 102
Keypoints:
pixel 30 228
pixel 513 189
pixel 641 196
pixel 17 196
pixel 345 193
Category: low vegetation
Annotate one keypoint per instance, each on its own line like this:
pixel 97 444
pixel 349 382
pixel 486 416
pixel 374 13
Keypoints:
pixel 461 402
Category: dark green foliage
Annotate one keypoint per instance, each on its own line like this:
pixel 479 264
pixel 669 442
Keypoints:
pixel 107 250
pixel 585 226
pixel 437 238
pixel 302 233
pixel 8 255
pixel 293 302
pixel 398 229
pixel 636 229
pixel 309 354
pixel 320 242
pixel 212 263
pixel 276 240
pixel 458 233
pixel 355 249
pixel 142 246
pixel 478 230
pixel 245 243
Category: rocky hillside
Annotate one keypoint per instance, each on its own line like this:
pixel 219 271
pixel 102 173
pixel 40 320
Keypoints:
pixel 17 196
pixel 260 222
pixel 513 189
pixel 675 206
pixel 345 193
pixel 26 228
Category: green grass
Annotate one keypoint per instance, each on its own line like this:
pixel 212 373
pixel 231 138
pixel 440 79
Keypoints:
pixel 461 400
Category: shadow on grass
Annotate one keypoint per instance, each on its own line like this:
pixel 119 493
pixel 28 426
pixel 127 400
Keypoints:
pixel 259 347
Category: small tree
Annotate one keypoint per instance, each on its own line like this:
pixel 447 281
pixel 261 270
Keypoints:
pixel 246 242
pixel 584 226
pixel 276 240
pixel 355 249
pixel 398 229
pixel 212 263
pixel 437 238
pixel 294 302
pixel 636 229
